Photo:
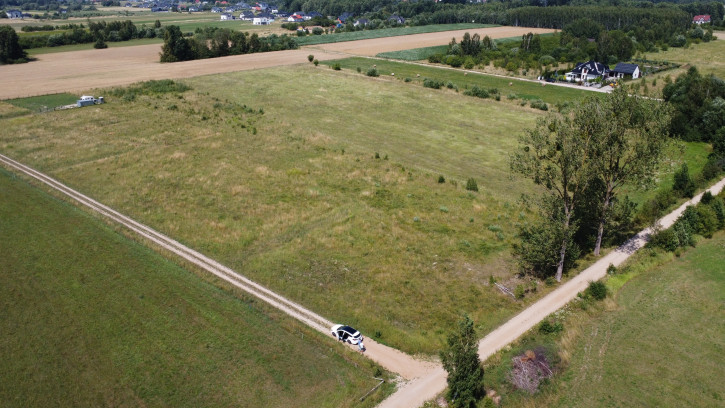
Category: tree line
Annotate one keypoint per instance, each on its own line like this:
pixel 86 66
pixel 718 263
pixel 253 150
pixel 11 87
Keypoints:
pixel 99 32
pixel 212 42
pixel 583 160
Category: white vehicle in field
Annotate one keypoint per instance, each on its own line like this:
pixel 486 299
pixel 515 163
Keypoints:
pixel 346 334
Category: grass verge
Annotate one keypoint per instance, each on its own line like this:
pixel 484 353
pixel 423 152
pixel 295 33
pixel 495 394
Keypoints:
pixel 656 343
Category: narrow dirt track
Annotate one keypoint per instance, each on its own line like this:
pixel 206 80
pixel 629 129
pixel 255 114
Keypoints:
pixel 80 71
pixel 390 358
pixel 415 393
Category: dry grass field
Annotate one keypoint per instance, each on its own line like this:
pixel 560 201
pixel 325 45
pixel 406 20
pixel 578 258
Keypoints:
pixel 295 199
pixel 82 70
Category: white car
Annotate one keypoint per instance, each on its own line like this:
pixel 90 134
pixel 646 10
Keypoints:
pixel 346 333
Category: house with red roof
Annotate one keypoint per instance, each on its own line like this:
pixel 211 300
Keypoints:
pixel 701 19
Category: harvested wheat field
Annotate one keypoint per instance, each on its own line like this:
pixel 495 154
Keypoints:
pixel 82 70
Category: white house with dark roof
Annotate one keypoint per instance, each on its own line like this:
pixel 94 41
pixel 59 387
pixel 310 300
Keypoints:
pixel 623 70
pixel 14 13
pixel 587 71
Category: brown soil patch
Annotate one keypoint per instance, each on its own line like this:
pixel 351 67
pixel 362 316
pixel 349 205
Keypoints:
pixel 80 71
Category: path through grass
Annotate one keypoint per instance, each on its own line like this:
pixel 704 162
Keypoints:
pixel 90 318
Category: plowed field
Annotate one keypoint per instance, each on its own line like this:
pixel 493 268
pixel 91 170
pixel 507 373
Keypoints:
pixel 79 71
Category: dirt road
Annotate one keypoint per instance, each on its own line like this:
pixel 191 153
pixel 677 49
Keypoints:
pixel 390 358
pixel 80 71
pixel 415 393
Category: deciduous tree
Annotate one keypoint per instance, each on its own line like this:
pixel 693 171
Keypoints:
pixel 628 137
pixel 557 156
pixel 460 359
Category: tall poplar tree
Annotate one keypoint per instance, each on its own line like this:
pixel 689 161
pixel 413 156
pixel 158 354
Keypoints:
pixel 557 156
pixel 629 135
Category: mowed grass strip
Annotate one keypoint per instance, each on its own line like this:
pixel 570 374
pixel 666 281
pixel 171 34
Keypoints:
pixel 43 102
pixel 417 54
pixel 662 345
pixel 510 88
pixel 90 318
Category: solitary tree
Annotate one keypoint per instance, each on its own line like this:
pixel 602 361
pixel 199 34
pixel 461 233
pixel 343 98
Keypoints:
pixel 460 359
pixel 556 155
pixel 10 50
pixel 628 139
pixel 176 47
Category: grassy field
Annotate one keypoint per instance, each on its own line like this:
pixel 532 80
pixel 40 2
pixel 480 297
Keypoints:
pixel 386 32
pixel 658 343
pixel 34 52
pixel 417 54
pixel 43 103
pixel 10 111
pixel 510 88
pixel 90 318
pixel 663 345
pixel 289 208
pixel 707 57
pixel 295 197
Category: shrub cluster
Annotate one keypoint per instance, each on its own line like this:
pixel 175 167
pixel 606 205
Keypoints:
pixel 483 93
pixel 432 83
pixel 703 219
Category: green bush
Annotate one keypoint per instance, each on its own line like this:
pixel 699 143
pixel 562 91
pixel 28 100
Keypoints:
pixel 316 62
pixel 597 290
pixel 372 72
pixel 684 185
pixel 432 83
pixel 718 207
pixel 336 66
pixel 707 197
pixel 471 185
pixel 435 58
pixel 665 239
pixel 519 291
pixel 707 222
pixel 441 179
pixel 477 92
pixel 310 58
pixel 539 104
pixel 546 327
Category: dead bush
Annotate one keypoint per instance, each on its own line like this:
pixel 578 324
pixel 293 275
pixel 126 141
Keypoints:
pixel 529 370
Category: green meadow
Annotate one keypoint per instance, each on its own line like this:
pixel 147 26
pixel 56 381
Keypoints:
pixel 320 184
pixel 509 88
pixel 657 341
pixel 91 318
